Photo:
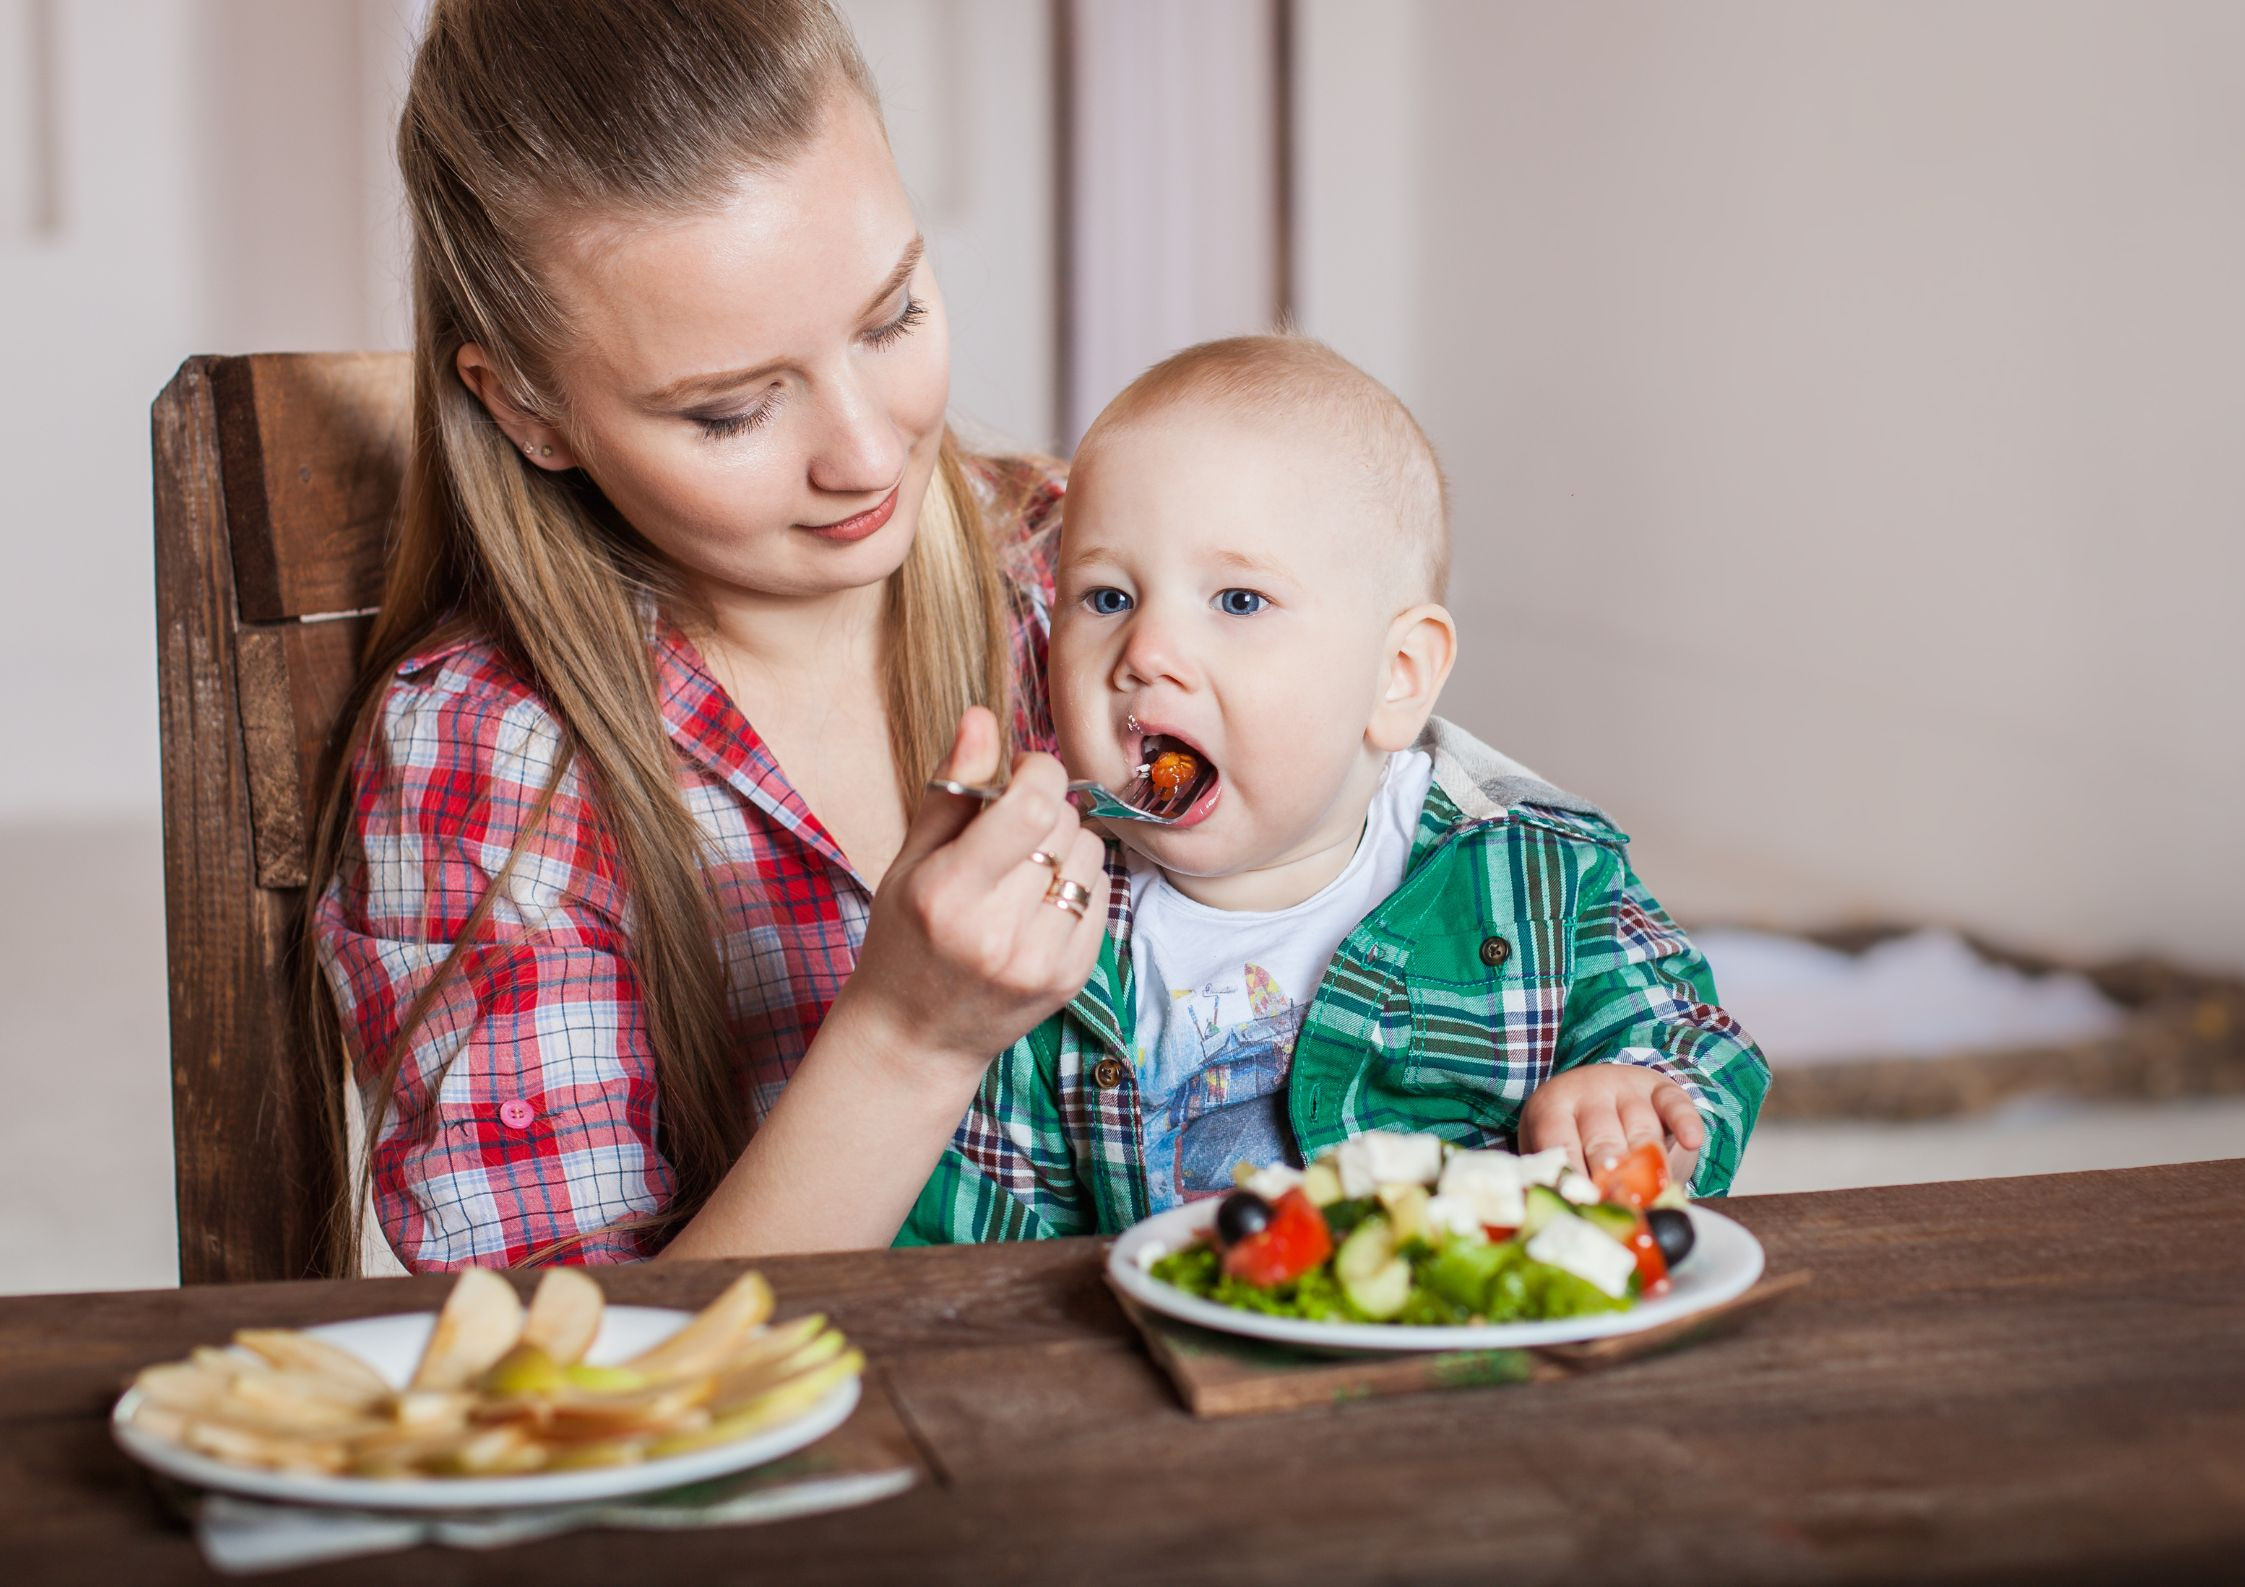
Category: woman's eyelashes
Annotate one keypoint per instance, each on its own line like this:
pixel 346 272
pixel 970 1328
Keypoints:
pixel 897 329
pixel 719 427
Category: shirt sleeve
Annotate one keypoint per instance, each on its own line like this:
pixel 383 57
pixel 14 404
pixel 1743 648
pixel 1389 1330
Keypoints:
pixel 522 1127
pixel 1008 1173
pixel 1642 994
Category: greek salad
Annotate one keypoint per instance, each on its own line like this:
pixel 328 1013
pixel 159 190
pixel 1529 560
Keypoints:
pixel 1408 1229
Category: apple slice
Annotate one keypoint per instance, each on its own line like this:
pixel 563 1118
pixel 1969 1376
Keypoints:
pixel 564 1315
pixel 710 1335
pixel 481 1320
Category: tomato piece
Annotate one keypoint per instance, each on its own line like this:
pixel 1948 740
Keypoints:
pixel 1497 1232
pixel 1652 1263
pixel 1633 1180
pixel 1294 1241
pixel 1171 771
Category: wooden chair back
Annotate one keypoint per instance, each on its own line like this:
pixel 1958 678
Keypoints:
pixel 276 477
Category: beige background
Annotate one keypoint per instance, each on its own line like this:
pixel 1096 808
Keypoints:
pixel 1844 407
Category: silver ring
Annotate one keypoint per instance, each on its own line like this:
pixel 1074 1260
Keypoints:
pixel 1071 896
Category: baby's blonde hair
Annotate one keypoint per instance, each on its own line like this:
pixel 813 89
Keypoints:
pixel 1297 378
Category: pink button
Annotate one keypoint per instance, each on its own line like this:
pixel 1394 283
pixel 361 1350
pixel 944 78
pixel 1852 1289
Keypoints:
pixel 516 1115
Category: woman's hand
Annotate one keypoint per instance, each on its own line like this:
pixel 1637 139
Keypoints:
pixel 966 949
pixel 1603 1110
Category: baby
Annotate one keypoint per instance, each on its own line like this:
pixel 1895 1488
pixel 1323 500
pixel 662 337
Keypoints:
pixel 1363 919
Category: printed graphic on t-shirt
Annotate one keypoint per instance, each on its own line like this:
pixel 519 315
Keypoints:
pixel 1216 1091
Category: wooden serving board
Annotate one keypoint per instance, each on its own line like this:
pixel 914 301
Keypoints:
pixel 1221 1374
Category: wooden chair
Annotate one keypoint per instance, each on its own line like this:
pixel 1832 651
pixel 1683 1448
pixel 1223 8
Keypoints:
pixel 276 477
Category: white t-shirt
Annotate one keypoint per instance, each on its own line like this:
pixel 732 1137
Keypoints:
pixel 1221 994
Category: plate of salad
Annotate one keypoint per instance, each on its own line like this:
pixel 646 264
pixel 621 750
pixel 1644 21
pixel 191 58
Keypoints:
pixel 1407 1242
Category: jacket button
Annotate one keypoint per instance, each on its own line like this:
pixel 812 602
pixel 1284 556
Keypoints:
pixel 1494 951
pixel 1107 1073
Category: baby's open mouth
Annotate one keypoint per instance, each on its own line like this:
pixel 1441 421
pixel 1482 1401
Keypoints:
pixel 1172 776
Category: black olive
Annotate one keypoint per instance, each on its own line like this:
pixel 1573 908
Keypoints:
pixel 1242 1215
pixel 1672 1230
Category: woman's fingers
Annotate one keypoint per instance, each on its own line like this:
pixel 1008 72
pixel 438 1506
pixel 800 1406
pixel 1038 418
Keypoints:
pixel 1681 1115
pixel 1032 815
pixel 942 817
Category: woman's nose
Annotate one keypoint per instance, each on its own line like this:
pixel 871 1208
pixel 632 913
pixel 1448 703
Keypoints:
pixel 858 450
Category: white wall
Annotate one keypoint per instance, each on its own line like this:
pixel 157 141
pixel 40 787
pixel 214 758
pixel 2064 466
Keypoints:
pixel 1843 407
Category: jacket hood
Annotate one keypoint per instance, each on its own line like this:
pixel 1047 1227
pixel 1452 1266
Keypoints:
pixel 1484 783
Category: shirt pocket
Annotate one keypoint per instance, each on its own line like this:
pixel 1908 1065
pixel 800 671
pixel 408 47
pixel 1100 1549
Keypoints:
pixel 1485 1010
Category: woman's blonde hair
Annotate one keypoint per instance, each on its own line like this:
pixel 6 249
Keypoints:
pixel 522 115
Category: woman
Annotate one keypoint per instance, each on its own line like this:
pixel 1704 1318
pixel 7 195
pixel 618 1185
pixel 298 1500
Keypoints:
pixel 617 971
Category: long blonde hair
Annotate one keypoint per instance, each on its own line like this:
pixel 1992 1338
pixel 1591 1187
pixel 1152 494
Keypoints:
pixel 519 111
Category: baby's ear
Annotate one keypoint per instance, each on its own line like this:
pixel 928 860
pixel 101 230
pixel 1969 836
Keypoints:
pixel 1421 645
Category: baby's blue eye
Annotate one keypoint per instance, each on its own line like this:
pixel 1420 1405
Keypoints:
pixel 1106 601
pixel 1240 603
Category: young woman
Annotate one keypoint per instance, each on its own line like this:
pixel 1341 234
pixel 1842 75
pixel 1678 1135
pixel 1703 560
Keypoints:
pixel 628 930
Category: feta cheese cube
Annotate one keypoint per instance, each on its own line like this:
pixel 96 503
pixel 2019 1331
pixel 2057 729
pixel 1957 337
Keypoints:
pixel 1453 1216
pixel 1588 1253
pixel 1385 1157
pixel 1544 1167
pixel 1272 1182
pixel 1577 1188
pixel 1489 1183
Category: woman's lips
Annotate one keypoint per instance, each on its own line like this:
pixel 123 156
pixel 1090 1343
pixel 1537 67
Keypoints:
pixel 858 525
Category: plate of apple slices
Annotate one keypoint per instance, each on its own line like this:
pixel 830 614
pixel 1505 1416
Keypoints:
pixel 487 1403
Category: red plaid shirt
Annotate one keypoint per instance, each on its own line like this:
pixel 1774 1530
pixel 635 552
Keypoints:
pixel 544 1125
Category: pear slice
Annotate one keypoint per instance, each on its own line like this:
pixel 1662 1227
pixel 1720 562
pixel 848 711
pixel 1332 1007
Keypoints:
pixel 480 1322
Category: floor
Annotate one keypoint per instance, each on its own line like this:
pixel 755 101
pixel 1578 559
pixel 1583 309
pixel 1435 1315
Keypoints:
pixel 85 1144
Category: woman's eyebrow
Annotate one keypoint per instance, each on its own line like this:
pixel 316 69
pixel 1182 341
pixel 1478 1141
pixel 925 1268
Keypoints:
pixel 687 388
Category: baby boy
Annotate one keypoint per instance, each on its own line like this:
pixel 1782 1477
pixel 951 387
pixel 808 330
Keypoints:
pixel 1362 919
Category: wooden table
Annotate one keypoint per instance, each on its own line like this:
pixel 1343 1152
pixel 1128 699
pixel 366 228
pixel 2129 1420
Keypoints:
pixel 2002 1380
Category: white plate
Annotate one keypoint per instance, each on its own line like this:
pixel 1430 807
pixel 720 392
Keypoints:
pixel 391 1345
pixel 1724 1263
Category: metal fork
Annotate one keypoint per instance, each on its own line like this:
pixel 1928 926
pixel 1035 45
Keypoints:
pixel 1093 799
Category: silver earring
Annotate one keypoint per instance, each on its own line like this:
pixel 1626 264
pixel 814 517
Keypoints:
pixel 527 448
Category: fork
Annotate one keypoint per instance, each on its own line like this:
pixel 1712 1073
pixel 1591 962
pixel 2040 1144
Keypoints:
pixel 1093 799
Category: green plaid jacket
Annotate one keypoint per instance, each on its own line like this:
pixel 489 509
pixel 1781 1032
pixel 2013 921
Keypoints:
pixel 1519 944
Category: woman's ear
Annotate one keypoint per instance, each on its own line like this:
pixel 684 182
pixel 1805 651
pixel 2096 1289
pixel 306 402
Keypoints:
pixel 1421 645
pixel 537 440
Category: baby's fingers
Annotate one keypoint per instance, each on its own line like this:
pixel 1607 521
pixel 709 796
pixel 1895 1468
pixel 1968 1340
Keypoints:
pixel 1604 1134
pixel 1681 1115
pixel 1543 1129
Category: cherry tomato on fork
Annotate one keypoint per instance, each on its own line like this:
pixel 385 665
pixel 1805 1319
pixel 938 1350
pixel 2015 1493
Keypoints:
pixel 1294 1241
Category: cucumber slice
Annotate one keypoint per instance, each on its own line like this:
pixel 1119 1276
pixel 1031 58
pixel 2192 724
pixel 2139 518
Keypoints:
pixel 1543 1205
pixel 1619 1222
pixel 1376 1281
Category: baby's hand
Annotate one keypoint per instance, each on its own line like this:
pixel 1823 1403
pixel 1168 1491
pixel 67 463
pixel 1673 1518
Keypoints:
pixel 1602 1110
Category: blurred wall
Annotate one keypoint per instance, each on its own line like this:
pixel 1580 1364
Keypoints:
pixel 1844 413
